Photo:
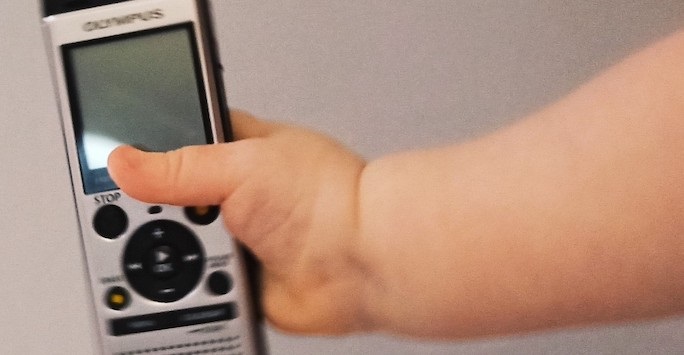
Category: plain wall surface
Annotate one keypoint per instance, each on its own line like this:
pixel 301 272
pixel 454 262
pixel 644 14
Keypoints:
pixel 380 76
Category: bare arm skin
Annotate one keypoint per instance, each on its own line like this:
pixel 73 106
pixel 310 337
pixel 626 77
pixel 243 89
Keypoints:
pixel 572 215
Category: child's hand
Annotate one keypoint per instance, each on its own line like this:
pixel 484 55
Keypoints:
pixel 290 196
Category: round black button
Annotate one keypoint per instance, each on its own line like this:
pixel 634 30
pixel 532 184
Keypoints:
pixel 110 221
pixel 163 261
pixel 219 283
pixel 202 215
pixel 117 298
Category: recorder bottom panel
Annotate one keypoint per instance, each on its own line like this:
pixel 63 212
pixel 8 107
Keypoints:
pixel 224 346
pixel 172 319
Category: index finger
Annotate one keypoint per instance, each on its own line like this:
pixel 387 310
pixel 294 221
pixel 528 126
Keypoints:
pixel 245 125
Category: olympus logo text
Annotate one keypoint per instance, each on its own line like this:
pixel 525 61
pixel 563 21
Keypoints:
pixel 123 20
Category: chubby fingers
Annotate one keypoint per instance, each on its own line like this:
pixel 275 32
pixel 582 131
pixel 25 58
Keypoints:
pixel 247 126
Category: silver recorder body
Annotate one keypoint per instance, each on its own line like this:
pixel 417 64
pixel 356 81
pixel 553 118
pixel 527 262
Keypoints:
pixel 164 279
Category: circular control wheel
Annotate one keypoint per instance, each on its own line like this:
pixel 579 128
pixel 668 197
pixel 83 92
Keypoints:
pixel 163 261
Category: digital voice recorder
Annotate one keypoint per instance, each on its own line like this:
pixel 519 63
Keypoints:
pixel 164 279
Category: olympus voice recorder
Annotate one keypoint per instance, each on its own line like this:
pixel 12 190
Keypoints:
pixel 164 279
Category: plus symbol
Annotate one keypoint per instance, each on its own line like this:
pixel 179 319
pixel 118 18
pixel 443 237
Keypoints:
pixel 158 233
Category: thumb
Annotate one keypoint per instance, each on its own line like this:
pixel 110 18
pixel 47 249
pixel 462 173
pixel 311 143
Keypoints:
pixel 193 175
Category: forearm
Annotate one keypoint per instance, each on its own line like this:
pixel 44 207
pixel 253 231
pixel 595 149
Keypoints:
pixel 571 215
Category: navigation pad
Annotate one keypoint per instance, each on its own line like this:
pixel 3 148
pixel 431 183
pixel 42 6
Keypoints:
pixel 163 260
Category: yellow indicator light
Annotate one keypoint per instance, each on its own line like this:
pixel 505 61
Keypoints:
pixel 117 299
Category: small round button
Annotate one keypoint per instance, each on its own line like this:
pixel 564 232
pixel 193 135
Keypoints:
pixel 202 215
pixel 219 283
pixel 110 221
pixel 117 298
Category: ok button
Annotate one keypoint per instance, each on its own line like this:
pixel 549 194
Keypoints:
pixel 163 262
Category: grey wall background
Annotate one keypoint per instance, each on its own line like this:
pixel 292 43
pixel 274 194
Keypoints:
pixel 380 76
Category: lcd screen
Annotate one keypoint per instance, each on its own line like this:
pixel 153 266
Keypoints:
pixel 142 89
